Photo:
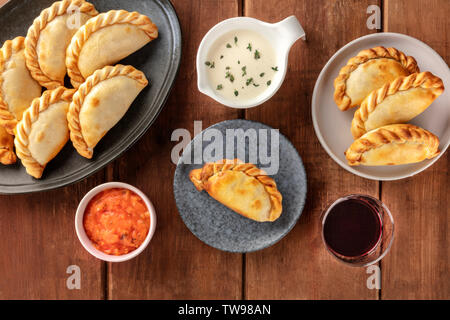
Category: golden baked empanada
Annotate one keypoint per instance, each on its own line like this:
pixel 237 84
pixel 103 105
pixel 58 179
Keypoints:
pixel 368 71
pixel 242 187
pixel 17 87
pixel 396 102
pixel 7 155
pixel 393 144
pixel 48 37
pixel 106 39
pixel 43 131
pixel 100 103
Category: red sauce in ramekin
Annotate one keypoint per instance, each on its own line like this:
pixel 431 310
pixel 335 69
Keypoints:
pixel 117 221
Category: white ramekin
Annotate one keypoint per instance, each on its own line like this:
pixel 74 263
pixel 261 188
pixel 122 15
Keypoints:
pixel 84 239
pixel 282 35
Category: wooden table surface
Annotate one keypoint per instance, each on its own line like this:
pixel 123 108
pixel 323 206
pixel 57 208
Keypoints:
pixel 38 235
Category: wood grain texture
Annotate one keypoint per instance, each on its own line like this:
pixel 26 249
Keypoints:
pixel 177 265
pixel 298 267
pixel 39 243
pixel 417 266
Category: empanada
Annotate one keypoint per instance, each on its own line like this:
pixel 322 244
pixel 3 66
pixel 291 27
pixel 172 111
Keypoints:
pixel 100 103
pixel 368 71
pixel 242 187
pixel 393 144
pixel 396 102
pixel 49 36
pixel 43 131
pixel 17 87
pixel 7 155
pixel 106 39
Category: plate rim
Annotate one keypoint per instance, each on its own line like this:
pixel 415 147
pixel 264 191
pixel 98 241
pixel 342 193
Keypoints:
pixel 286 232
pixel 141 128
pixel 314 110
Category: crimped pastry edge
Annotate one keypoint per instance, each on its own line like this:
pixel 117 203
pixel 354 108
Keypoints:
pixel 30 116
pixel 425 80
pixel 400 133
pixel 342 100
pixel 92 25
pixel 73 116
pixel 58 8
pixel 10 47
pixel 200 176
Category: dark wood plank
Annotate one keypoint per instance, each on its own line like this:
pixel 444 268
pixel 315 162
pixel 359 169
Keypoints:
pixel 177 265
pixel 298 267
pixel 39 243
pixel 417 266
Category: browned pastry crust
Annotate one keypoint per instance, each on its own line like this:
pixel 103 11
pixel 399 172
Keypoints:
pixel 200 177
pixel 398 134
pixel 103 20
pixel 47 15
pixel 7 155
pixel 73 116
pixel 424 80
pixel 343 101
pixel 30 116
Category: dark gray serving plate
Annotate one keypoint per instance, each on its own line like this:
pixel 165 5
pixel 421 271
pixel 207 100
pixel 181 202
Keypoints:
pixel 159 60
pixel 220 227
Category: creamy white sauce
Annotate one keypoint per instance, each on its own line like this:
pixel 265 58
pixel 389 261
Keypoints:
pixel 241 65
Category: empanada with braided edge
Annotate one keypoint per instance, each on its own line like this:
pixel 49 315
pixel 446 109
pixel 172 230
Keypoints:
pixel 43 130
pixel 106 39
pixel 17 87
pixel 48 37
pixel 393 144
pixel 100 103
pixel 396 102
pixel 242 187
pixel 368 71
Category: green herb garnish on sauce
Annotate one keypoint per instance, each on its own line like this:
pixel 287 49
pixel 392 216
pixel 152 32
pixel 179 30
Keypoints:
pixel 269 82
pixel 249 47
pixel 236 93
pixel 227 68
pixel 230 76
pixel 250 80
pixel 235 40
pixel 221 57
pixel 228 45
pixel 219 87
pixel 255 85
pixel 244 70
pixel 208 63
pixel 275 68
pixel 257 55
pixel 262 74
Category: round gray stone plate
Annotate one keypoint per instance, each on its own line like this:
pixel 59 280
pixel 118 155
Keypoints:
pixel 222 228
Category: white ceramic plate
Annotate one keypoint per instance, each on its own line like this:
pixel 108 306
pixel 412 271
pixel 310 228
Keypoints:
pixel 332 126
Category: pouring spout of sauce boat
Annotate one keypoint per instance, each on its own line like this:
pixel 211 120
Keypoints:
pixel 290 30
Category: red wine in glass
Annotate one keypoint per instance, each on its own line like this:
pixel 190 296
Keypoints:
pixel 352 229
